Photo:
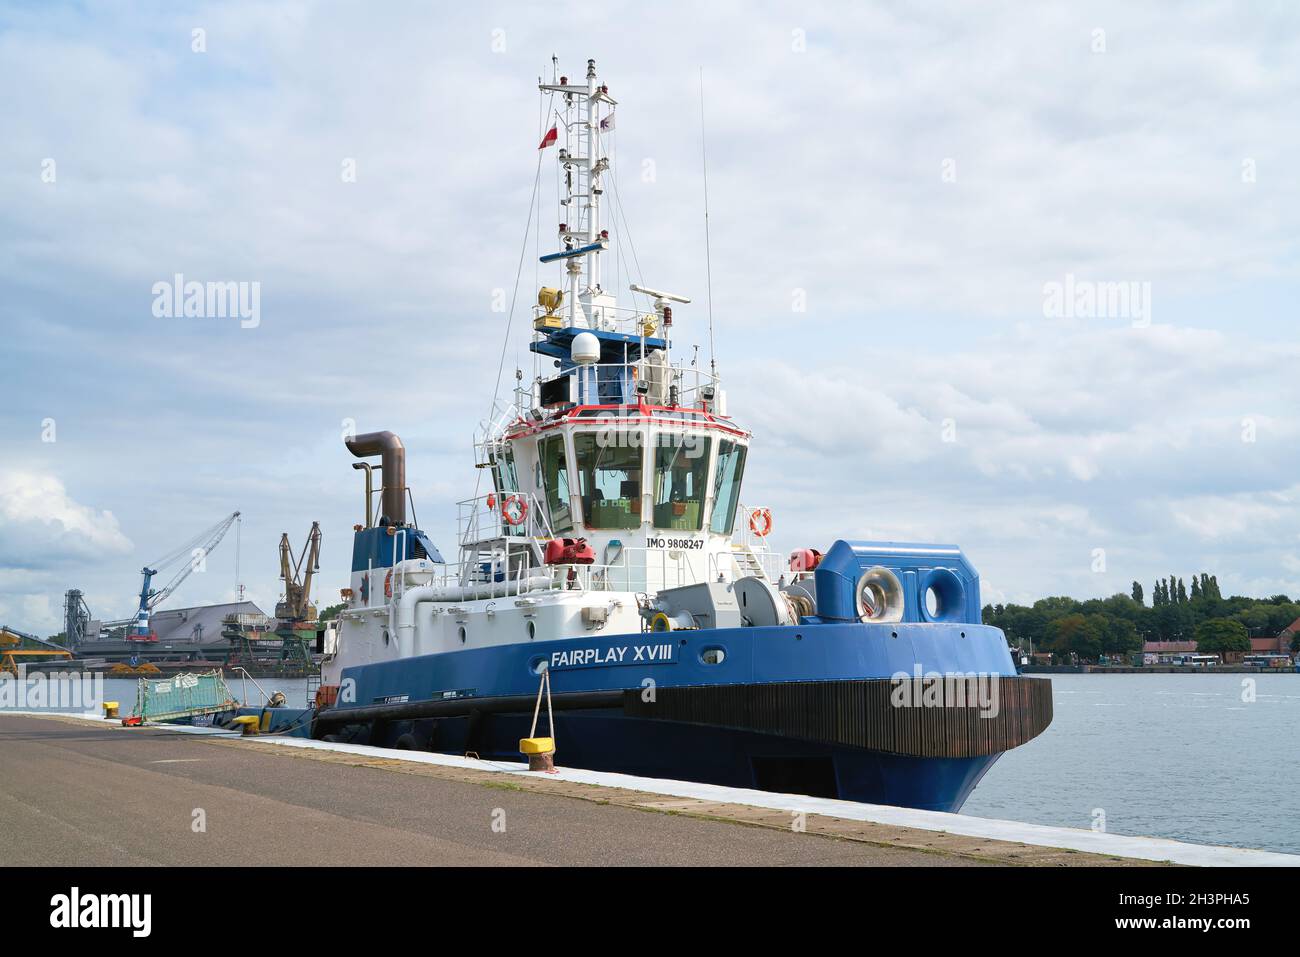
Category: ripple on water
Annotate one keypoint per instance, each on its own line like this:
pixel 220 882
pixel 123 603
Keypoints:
pixel 1163 755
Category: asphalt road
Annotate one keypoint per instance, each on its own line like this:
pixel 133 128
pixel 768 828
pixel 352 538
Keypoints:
pixel 85 795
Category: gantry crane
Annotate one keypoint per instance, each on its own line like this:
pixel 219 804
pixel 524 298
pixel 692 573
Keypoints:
pixel 195 552
pixel 297 575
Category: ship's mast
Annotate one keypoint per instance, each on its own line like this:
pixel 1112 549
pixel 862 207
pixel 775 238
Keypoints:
pixel 582 165
pixel 603 356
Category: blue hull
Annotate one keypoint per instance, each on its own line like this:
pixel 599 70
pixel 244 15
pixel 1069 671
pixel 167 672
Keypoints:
pixel 815 652
pixel 608 739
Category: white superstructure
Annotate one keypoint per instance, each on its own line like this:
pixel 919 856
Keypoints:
pixel 614 476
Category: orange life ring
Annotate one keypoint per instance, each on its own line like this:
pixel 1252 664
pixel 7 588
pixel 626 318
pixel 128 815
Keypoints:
pixel 514 510
pixel 388 584
pixel 760 521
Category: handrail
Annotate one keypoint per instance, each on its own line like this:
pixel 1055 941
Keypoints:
pixel 512 565
pixel 690 381
pixel 478 523
pixel 244 685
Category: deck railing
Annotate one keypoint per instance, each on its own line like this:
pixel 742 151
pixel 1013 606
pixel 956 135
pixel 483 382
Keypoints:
pixel 511 570
pixel 479 519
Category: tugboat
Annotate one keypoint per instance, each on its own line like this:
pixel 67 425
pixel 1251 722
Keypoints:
pixel 612 565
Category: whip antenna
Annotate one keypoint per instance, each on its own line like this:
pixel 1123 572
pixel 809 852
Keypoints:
pixel 708 254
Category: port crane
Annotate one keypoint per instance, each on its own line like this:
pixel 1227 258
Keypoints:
pixel 297 575
pixel 287 650
pixel 194 552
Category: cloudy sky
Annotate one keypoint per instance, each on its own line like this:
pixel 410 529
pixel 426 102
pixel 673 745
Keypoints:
pixel 894 193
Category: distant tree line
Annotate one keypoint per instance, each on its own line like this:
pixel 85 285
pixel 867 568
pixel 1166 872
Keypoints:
pixel 1119 625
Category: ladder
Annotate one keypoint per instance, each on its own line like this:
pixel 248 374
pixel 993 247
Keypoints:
pixel 313 685
pixel 746 562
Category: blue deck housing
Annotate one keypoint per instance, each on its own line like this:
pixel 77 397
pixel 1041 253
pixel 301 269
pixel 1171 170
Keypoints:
pixel 920 568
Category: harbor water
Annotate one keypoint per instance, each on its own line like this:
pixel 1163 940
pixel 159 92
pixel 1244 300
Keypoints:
pixel 1189 757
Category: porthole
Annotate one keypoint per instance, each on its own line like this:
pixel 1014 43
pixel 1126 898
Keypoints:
pixel 385 636
pixel 532 629
pixel 461 632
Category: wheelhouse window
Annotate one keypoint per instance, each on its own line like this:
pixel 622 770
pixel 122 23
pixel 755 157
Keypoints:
pixel 681 470
pixel 555 478
pixel 609 478
pixel 726 486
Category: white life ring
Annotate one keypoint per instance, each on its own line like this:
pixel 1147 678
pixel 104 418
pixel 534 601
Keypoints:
pixel 514 510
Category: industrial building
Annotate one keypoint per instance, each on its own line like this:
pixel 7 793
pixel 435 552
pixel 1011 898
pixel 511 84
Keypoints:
pixel 200 624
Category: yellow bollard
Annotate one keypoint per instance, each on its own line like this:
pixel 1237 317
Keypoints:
pixel 247 723
pixel 540 751
pixel 110 709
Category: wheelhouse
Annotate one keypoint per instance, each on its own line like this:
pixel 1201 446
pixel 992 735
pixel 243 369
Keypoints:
pixel 618 470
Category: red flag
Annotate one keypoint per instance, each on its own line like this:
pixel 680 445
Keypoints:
pixel 552 135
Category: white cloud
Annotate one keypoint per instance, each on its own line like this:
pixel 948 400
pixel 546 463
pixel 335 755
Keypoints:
pixel 1085 402
pixel 1239 516
pixel 824 175
pixel 41 524
pixel 1068 439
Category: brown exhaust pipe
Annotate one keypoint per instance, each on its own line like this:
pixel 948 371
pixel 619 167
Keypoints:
pixel 393 463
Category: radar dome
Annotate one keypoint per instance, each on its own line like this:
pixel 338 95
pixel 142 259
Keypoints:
pixel 585 349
